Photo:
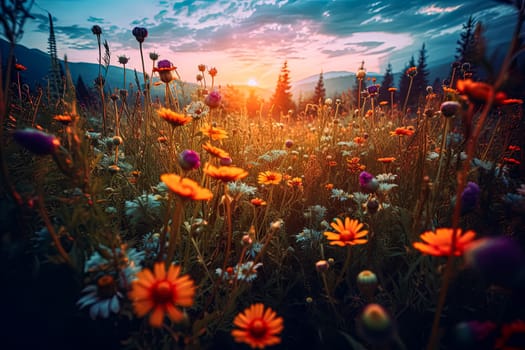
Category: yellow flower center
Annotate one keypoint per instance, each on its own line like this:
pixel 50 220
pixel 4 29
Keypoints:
pixel 258 328
pixel 163 293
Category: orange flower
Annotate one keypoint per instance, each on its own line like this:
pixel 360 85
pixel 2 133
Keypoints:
pixel 332 163
pixel 20 67
pixel 353 165
pixel 64 119
pixel 514 148
pixel 329 187
pixel 359 140
pixel 438 243
pixel 269 178
pixel 175 119
pixel 215 151
pixel 402 131
pixel 383 103
pixel 392 89
pixel 225 173
pixel 258 202
pixel 479 91
pixel 348 233
pixel 186 188
pixel 295 182
pixel 161 292
pixel 386 159
pixel 214 132
pixel 512 101
pixel 258 327
pixel 511 161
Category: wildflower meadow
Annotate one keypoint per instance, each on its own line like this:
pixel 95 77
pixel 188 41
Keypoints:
pixel 166 214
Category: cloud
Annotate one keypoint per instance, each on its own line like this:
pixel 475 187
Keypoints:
pixel 435 10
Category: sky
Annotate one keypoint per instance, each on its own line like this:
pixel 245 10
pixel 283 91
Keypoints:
pixel 248 41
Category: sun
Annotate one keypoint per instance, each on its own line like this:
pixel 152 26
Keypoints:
pixel 252 82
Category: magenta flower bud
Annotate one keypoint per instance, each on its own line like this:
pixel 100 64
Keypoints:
pixel 164 64
pixel 288 143
pixel 213 99
pixel 189 160
pixel 140 34
pixel 36 141
pixel 368 182
pixel 226 161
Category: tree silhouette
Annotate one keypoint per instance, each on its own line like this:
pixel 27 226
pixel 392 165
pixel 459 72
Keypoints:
pixel 386 83
pixel 55 76
pixel 320 91
pixel 282 97
pixel 466 49
pixel 421 79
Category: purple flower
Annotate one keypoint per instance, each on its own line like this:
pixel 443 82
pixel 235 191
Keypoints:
pixel 213 99
pixel 368 182
pixel 288 143
pixel 189 160
pixel 373 89
pixel 500 260
pixel 36 141
pixel 449 108
pixel 469 197
pixel 140 34
pixel 164 64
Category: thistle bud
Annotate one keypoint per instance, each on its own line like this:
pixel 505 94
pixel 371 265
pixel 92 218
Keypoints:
pixel 36 141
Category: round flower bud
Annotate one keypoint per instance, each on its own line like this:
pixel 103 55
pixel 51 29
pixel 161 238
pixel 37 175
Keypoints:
pixel 449 108
pixel 201 67
pixel 361 73
pixel 246 240
pixel 213 99
pixel 367 283
pixel 321 266
pixel 375 325
pixel 140 34
pixel 189 160
pixel 96 30
pixel 368 182
pixel 36 141
pixel 372 206
pixel 117 140
pixel 288 143
pixel 500 260
pixel 328 102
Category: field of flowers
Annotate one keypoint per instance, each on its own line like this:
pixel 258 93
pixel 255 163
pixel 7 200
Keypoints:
pixel 159 224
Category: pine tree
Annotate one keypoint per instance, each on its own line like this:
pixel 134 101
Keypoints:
pixel 282 97
pixel 388 82
pixel 421 79
pixel 83 95
pixel 320 91
pixel 55 78
pixel 466 49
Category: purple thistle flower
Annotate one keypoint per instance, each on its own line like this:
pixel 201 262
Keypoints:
pixel 213 99
pixel 189 160
pixel 288 143
pixel 164 64
pixel 36 141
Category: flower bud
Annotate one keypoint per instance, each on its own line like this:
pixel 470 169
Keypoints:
pixel 367 283
pixel 449 108
pixel 189 160
pixel 213 99
pixel 375 325
pixel 321 266
pixel 36 141
pixel 117 140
